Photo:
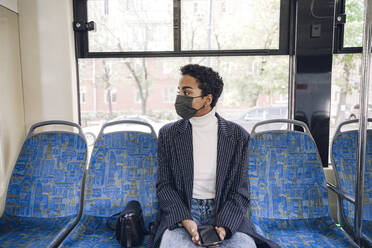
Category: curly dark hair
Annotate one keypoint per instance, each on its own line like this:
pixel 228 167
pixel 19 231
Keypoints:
pixel 210 82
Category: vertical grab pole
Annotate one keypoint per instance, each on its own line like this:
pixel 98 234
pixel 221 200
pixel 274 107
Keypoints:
pixel 292 63
pixel 291 88
pixel 363 101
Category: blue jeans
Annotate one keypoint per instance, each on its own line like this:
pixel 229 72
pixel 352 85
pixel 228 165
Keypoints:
pixel 203 212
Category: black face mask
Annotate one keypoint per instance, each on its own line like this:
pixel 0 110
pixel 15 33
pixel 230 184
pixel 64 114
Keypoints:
pixel 184 107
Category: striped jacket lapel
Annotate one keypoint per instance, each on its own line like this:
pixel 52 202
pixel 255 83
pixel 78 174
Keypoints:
pixel 184 153
pixel 225 150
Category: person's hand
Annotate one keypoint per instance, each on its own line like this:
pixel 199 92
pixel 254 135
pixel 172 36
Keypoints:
pixel 192 228
pixel 221 232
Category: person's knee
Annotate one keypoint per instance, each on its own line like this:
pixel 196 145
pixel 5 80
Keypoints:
pixel 247 240
pixel 239 240
pixel 176 238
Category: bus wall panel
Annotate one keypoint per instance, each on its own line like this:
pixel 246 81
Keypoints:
pixel 12 124
pixel 48 60
pixel 10 4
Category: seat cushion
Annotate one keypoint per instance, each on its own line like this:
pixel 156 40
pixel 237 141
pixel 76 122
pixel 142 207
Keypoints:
pixel 46 178
pixel 286 178
pixel 344 154
pixel 122 168
pixel 92 231
pixel 312 232
pixel 367 229
pixel 31 231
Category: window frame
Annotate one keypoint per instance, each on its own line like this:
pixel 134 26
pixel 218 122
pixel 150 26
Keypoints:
pixel 339 48
pixel 82 39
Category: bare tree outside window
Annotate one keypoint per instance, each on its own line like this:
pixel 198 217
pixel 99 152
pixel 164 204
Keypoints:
pixel 247 24
pixel 135 33
pixel 347 68
pixel 251 82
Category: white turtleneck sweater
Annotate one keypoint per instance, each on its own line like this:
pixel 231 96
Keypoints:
pixel 204 140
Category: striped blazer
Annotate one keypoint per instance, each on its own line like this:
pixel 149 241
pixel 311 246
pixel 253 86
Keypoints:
pixel 175 178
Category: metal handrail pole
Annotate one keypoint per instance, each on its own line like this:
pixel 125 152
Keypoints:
pixel 363 101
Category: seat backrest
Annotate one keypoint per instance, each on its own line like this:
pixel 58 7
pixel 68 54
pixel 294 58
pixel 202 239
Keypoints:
pixel 344 158
pixel 122 168
pixel 46 179
pixel 286 176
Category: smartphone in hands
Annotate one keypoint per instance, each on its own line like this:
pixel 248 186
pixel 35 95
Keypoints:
pixel 208 235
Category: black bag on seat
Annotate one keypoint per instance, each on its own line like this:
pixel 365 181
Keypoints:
pixel 130 228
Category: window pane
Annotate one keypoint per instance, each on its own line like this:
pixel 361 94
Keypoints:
pixel 353 36
pixel 131 25
pixel 346 75
pixel 225 24
pixel 145 89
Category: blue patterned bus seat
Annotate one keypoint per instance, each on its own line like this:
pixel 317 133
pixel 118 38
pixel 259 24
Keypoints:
pixel 122 168
pixel 43 196
pixel 344 155
pixel 289 199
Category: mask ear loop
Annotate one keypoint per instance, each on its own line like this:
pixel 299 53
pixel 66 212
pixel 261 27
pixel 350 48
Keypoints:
pixel 203 105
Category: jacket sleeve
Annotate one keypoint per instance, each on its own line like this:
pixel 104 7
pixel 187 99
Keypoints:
pixel 170 203
pixel 235 208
